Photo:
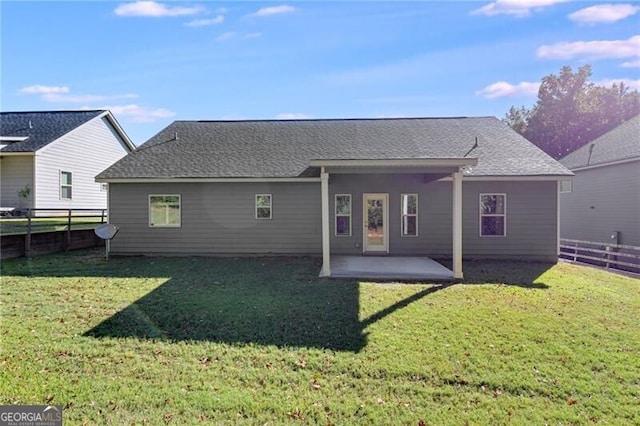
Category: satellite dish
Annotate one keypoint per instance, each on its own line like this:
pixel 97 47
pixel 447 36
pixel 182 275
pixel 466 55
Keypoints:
pixel 106 231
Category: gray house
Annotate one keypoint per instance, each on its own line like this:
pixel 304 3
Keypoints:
pixel 601 203
pixel 56 154
pixel 440 187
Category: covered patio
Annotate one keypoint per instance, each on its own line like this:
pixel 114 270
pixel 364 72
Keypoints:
pixel 389 268
pixel 422 268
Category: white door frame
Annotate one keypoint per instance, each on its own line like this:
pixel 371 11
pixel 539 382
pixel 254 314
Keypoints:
pixel 384 248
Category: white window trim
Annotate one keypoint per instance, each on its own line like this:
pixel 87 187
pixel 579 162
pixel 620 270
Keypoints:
pixel 564 191
pixel 350 215
pixel 179 224
pixel 262 207
pixel 481 215
pixel 402 215
pixel 63 185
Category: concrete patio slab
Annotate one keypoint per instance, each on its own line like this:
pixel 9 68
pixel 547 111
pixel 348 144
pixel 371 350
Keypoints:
pixel 385 268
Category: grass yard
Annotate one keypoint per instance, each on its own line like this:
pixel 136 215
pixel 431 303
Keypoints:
pixel 264 341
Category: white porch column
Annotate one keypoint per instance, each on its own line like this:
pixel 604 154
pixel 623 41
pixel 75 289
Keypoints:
pixel 326 242
pixel 457 225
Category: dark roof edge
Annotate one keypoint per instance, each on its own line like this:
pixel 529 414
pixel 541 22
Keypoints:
pixel 280 120
pixel 54 111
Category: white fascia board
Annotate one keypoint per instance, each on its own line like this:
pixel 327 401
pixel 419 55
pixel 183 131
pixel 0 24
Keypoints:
pixel 13 138
pixel 512 178
pixel 396 162
pixel 119 129
pixel 207 180
pixel 611 163
pixel 106 113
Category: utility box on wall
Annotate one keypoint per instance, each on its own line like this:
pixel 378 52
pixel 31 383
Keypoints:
pixel 615 237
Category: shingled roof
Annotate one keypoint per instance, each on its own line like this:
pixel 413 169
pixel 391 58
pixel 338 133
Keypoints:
pixel 284 148
pixel 40 128
pixel 618 144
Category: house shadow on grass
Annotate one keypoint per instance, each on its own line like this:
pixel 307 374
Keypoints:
pixel 269 301
pixel 266 301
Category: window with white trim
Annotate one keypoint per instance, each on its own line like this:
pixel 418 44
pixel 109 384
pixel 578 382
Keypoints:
pixel 409 205
pixel 343 215
pixel 493 215
pixel 164 210
pixel 263 206
pixel 566 186
pixel 66 185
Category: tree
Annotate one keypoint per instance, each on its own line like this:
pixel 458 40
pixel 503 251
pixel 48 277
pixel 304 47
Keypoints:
pixel 572 111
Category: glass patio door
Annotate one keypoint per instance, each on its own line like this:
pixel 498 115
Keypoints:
pixel 376 223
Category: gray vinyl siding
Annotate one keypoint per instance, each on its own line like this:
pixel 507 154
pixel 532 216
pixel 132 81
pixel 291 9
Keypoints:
pixel 531 221
pixel 531 217
pixel 85 152
pixel 603 200
pixel 219 218
pixel 16 171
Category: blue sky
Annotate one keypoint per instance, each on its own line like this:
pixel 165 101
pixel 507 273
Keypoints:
pixel 152 62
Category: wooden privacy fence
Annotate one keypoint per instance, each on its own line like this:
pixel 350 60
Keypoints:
pixel 610 256
pixel 40 231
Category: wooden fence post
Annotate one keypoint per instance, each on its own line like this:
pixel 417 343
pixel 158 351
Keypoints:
pixel 27 238
pixel 68 245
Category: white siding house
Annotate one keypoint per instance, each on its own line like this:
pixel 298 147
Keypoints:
pixel 57 154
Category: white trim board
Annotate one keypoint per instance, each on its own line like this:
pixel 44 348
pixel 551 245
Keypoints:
pixel 207 180
pixel 611 163
pixel 396 162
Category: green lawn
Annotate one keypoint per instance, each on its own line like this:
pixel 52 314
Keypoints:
pixel 19 225
pixel 264 341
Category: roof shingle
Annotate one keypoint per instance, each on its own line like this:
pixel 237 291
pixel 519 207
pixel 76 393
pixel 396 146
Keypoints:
pixel 620 143
pixel 41 128
pixel 283 148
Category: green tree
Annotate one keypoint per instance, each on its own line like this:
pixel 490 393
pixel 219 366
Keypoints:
pixel 571 111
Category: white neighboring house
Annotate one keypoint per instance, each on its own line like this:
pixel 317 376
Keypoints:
pixel 55 156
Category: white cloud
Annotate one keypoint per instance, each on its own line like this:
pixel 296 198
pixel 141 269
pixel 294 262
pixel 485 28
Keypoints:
pixel 231 35
pixel 38 89
pixel 518 8
pixel 597 49
pixel 604 13
pixel 292 116
pixel 631 64
pixel 501 89
pixel 156 10
pixel 608 82
pixel 138 114
pixel 79 99
pixel 61 94
pixel 273 10
pixel 205 22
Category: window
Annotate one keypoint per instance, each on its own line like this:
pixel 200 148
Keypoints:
pixel 566 186
pixel 343 215
pixel 263 206
pixel 409 204
pixel 65 185
pixel 164 210
pixel 493 209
